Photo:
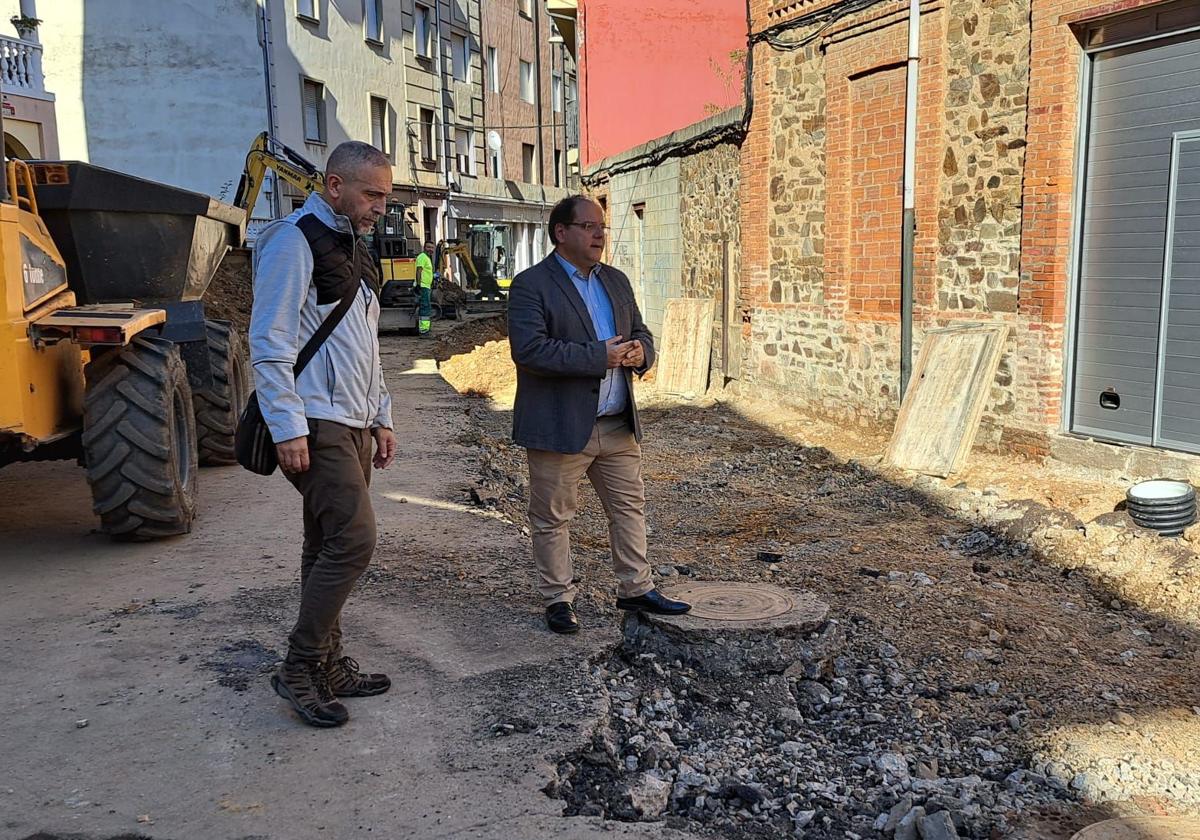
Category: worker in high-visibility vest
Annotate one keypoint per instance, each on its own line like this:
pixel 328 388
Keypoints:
pixel 425 284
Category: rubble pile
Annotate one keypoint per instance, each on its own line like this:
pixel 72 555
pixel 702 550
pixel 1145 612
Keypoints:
pixel 855 745
pixel 230 293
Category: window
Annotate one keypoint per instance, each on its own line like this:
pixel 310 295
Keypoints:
pixel 527 173
pixel 372 20
pixel 314 111
pixel 556 92
pixel 527 81
pixel 460 10
pixel 380 136
pixel 493 68
pixel 428 146
pixel 495 164
pixel 558 167
pixel 460 57
pixel 307 9
pixel 464 151
pixel 423 32
pixel 526 7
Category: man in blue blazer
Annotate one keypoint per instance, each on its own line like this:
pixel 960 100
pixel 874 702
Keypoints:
pixel 577 337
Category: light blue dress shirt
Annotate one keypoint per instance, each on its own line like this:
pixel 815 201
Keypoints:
pixel 613 390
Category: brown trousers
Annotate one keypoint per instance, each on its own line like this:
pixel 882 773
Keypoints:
pixel 339 534
pixel 612 461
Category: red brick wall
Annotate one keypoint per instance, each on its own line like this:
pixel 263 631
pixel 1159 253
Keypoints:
pixel 865 82
pixel 755 166
pixel 876 165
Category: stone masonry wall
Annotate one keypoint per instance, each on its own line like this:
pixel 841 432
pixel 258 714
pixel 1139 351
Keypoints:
pixel 829 120
pixel 709 190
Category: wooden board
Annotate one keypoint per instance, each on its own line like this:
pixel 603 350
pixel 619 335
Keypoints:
pixel 731 323
pixel 950 385
pixel 683 356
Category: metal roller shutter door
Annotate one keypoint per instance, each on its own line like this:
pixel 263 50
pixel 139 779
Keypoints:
pixel 1137 363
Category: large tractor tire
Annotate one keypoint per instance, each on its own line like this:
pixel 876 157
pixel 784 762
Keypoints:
pixel 219 407
pixel 139 441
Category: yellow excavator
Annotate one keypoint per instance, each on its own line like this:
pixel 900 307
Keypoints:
pixel 267 153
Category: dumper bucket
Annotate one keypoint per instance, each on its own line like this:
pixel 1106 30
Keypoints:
pixel 126 238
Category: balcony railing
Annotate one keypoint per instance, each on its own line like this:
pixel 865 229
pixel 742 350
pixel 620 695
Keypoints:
pixel 21 67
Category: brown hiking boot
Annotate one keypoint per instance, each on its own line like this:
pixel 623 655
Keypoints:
pixel 306 686
pixel 345 680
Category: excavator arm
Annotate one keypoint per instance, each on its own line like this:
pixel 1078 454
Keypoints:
pixel 448 248
pixel 266 153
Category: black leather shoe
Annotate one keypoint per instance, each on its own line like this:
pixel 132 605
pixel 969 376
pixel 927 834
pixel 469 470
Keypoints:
pixel 560 617
pixel 654 602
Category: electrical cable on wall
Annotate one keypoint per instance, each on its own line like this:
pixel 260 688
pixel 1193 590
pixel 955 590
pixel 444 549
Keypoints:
pixel 824 18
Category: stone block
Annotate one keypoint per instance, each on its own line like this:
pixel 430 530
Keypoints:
pixel 1085 452
pixel 1147 463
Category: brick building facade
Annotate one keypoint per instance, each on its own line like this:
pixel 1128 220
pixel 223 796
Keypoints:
pixel 1025 214
pixel 999 117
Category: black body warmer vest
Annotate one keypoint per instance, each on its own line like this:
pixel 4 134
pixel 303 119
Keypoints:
pixel 333 259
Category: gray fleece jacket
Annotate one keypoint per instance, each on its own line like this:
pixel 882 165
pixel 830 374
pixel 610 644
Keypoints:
pixel 344 381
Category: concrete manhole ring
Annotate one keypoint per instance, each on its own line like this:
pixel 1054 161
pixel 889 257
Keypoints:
pixel 1143 828
pixel 728 601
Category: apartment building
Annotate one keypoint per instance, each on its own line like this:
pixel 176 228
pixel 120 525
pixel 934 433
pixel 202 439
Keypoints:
pixel 30 126
pixel 530 123
pixel 472 102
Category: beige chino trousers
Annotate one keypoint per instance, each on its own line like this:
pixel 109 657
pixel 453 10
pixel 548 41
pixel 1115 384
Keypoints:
pixel 612 461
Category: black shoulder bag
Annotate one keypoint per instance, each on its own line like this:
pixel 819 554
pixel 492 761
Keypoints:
pixel 252 442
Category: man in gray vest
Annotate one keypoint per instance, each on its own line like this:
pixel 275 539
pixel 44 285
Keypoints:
pixel 577 337
pixel 324 420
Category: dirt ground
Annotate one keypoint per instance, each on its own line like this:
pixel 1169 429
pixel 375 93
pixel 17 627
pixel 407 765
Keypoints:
pixel 1068 649
pixel 135 676
pixel 139 707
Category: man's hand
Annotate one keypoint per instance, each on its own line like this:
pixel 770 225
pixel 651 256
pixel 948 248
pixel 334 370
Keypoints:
pixel 617 350
pixel 385 447
pixel 293 455
pixel 635 356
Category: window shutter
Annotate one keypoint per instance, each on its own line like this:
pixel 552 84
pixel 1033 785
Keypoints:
pixel 313 130
pixel 379 124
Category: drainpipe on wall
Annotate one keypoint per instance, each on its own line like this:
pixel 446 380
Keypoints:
pixel 537 95
pixel 264 40
pixel 910 216
pixel 447 138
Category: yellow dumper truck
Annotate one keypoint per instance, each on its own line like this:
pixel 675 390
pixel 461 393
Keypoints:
pixel 105 353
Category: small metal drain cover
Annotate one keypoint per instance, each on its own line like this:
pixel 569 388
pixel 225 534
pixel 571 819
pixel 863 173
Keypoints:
pixel 1143 828
pixel 725 601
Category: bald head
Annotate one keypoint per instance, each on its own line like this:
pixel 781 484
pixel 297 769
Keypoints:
pixel 358 181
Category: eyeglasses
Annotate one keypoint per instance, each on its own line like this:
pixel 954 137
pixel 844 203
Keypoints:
pixel 590 227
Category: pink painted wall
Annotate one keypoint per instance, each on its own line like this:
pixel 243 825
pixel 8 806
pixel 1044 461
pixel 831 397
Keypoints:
pixel 649 67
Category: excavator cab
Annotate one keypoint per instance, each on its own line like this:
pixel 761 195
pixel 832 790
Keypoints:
pixel 395 246
pixel 41 388
pixel 491 253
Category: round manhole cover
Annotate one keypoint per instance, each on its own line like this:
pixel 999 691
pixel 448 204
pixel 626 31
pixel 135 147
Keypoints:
pixel 719 601
pixel 1143 828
